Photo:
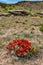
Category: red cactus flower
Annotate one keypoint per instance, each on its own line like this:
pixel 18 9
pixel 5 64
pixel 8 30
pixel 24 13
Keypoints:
pixel 18 51
pixel 18 44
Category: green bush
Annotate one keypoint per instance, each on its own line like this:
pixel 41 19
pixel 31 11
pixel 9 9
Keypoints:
pixel 41 27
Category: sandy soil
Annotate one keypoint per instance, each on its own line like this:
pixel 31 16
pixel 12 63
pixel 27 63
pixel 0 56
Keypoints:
pixel 12 26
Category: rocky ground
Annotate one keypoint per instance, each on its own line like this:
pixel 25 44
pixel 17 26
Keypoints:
pixel 27 27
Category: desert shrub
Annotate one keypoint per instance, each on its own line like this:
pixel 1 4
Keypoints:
pixel 41 27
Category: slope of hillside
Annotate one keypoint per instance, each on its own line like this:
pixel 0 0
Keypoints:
pixel 35 5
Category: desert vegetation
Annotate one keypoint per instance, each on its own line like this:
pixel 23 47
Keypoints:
pixel 21 27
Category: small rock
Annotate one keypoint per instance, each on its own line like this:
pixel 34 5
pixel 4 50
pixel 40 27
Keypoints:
pixel 41 46
pixel 41 13
pixel 4 14
pixel 18 12
pixel 15 58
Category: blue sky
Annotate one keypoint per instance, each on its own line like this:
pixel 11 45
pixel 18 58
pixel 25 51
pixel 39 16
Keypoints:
pixel 10 1
pixel 14 1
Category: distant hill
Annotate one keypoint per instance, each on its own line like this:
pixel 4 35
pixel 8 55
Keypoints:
pixel 35 5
